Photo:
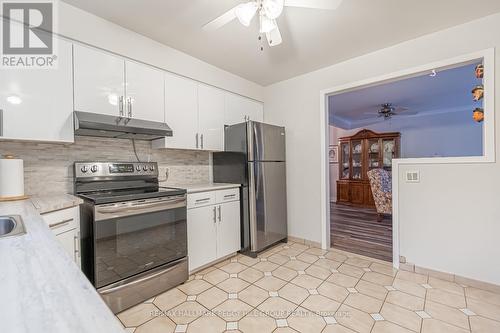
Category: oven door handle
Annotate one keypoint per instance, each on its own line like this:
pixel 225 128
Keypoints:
pixel 167 204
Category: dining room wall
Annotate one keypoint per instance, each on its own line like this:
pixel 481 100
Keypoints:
pixel 450 134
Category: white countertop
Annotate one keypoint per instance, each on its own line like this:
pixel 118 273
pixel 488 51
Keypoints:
pixel 41 288
pixel 203 187
pixel 50 203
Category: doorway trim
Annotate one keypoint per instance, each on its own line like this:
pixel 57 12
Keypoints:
pixel 488 56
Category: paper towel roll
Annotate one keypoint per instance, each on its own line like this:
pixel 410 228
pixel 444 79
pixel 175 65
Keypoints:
pixel 11 178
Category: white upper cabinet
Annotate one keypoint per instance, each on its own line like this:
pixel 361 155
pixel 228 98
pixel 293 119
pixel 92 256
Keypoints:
pixel 255 111
pixel 144 92
pixel 181 112
pixel 36 104
pixel 99 82
pixel 240 109
pixel 211 117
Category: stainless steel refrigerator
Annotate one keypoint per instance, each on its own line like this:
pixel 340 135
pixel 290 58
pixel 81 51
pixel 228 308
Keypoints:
pixel 255 157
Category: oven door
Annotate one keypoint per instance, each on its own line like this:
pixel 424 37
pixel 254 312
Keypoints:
pixel 136 236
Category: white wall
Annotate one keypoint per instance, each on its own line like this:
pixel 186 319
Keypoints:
pixel 77 24
pixel 450 221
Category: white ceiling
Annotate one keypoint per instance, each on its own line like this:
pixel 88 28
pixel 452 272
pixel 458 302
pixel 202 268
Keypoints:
pixel 312 38
pixel 448 91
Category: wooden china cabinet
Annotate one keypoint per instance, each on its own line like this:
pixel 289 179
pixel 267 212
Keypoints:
pixel 358 154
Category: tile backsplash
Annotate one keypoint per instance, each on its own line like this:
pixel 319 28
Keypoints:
pixel 48 167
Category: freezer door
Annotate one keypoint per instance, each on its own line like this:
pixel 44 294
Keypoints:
pixel 266 142
pixel 267 199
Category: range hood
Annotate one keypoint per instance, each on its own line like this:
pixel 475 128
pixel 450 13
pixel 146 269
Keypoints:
pixel 100 125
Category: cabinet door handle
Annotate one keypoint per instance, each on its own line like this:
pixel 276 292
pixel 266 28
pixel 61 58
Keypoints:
pixel 215 215
pixel 201 137
pixel 196 140
pixel 129 107
pixel 220 215
pixel 76 243
pixel 120 106
pixel 60 224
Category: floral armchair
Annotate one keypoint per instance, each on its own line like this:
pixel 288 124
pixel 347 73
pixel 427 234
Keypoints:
pixel 381 184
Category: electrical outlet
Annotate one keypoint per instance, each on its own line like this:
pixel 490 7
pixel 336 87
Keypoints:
pixel 163 174
pixel 412 176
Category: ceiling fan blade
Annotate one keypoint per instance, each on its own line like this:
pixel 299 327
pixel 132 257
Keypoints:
pixel 274 37
pixel 221 20
pixel 316 4
pixel 401 109
pixel 410 113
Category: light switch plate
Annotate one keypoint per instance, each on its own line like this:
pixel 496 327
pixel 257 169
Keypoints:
pixel 412 176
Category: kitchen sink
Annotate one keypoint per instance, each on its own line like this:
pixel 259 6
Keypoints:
pixel 11 226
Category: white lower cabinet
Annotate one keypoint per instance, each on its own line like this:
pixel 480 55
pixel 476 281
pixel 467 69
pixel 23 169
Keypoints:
pixel 213 227
pixel 202 236
pixel 228 231
pixel 65 224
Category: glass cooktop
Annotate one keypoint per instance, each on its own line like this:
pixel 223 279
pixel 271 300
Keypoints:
pixel 102 197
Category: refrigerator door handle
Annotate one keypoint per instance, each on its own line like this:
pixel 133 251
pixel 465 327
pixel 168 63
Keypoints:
pixel 252 207
pixel 250 141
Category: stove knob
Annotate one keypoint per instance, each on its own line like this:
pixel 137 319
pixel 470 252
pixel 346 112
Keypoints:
pixel 138 168
pixel 145 168
pixel 84 169
pixel 152 168
pixel 94 168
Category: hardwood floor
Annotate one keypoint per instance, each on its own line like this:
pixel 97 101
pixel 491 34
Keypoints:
pixel 356 230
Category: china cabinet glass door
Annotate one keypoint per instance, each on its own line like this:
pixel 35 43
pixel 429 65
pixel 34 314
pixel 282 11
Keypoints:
pixel 344 158
pixel 389 152
pixel 373 150
pixel 357 159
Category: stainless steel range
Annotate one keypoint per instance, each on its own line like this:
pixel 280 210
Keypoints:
pixel 133 232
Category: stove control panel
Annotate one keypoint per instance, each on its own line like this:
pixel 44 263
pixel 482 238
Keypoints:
pixel 115 169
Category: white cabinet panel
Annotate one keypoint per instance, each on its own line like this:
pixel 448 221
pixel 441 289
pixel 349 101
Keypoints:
pixel 99 81
pixel 202 236
pixel 45 111
pixel 255 111
pixel 240 109
pixel 70 241
pixel 181 111
pixel 231 194
pixel 211 117
pixel 144 88
pixel 195 200
pixel 228 228
pixel 65 224
pixel 234 111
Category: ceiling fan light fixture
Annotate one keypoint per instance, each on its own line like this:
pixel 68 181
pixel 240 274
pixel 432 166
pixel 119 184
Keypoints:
pixel 273 8
pixel 245 12
pixel 267 24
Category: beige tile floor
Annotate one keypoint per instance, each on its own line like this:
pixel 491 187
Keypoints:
pixel 295 288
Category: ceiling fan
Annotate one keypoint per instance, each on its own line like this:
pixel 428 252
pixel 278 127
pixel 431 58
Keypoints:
pixel 269 11
pixel 388 110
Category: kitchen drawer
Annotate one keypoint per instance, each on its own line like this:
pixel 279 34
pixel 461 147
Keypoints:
pixel 63 220
pixel 232 194
pixel 200 199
